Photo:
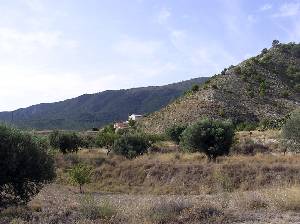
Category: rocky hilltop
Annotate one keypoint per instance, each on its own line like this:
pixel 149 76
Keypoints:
pixel 264 88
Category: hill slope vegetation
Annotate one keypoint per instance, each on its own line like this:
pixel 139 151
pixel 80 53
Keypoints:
pixel 264 88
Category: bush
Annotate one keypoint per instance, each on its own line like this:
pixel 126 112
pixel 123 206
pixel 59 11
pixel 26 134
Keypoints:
pixel 92 210
pixel 174 132
pixel 65 142
pixel 195 88
pixel 212 137
pixel 87 141
pixel 166 212
pixel 24 166
pixel 238 70
pixel 264 51
pixel 81 174
pixel 296 50
pixel 246 126
pixel 249 147
pixel 106 139
pixel 291 132
pixel 131 145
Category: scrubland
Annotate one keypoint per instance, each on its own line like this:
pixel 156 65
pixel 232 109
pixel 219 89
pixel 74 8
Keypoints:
pixel 169 186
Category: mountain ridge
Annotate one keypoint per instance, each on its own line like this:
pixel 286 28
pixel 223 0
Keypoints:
pixel 97 109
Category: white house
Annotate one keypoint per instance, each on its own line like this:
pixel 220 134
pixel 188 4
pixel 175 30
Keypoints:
pixel 135 117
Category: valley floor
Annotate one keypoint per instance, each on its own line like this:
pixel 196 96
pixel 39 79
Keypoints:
pixel 63 204
pixel 172 187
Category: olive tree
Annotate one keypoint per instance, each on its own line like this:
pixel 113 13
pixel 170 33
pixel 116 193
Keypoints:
pixel 25 166
pixel 212 137
pixel 65 142
pixel 131 145
pixel 174 132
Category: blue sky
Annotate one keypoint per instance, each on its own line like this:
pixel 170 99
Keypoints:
pixel 52 50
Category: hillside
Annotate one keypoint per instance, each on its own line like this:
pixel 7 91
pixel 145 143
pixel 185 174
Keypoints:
pixel 95 110
pixel 264 88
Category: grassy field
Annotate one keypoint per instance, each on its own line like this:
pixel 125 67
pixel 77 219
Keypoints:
pixel 172 187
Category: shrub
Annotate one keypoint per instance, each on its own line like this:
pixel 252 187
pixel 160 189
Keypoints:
pixel 131 145
pixel 166 212
pixel 275 43
pixel 285 94
pixel 65 142
pixel 92 210
pixel 296 50
pixel 81 174
pixel 87 141
pixel 24 166
pixel 224 71
pixel 238 70
pixel 174 132
pixel 262 88
pixel 195 88
pixel 291 132
pixel 264 51
pixel 246 126
pixel 249 147
pixel 212 137
pixel 106 140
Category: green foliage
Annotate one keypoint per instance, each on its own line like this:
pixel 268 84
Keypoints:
pixel 264 51
pixel 212 137
pixel 296 50
pixel 109 128
pixel 87 141
pixel 224 71
pixel 131 123
pixel 275 43
pixel 271 123
pixel 153 138
pixel 131 145
pixel 262 88
pixel 291 132
pixel 65 142
pixel 246 126
pixel 285 94
pixel 81 174
pixel 195 88
pixel 106 139
pixel 174 132
pixel 24 166
pixel 238 70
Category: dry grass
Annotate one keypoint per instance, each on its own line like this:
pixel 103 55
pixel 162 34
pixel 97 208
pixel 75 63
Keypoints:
pixel 61 204
pixel 184 173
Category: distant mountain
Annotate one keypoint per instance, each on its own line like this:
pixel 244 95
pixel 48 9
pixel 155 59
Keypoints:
pixel 264 88
pixel 95 110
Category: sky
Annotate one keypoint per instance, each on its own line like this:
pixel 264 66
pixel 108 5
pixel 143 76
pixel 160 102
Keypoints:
pixel 51 50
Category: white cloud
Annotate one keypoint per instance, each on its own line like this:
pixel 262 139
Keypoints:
pixel 163 16
pixel 14 41
pixel 288 9
pixel 266 7
pixel 21 87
